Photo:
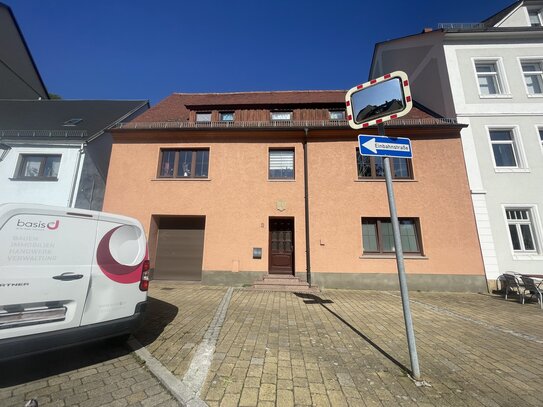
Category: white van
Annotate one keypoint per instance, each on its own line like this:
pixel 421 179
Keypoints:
pixel 68 276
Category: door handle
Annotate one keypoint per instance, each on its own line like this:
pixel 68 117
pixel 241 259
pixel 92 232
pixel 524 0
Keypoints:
pixel 68 277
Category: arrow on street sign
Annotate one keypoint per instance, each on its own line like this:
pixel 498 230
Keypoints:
pixel 385 146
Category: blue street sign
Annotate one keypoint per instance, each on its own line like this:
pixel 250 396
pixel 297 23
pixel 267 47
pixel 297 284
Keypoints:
pixel 385 146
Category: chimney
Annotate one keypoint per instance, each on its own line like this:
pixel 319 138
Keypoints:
pixel 427 30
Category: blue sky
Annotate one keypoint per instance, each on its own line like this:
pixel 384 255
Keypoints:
pixel 120 49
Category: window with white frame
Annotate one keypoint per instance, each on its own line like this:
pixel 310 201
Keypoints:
pixel 203 117
pixel 533 77
pixel 521 230
pixel 540 131
pixel 504 148
pixel 337 114
pixel 278 116
pixel 535 19
pixel 488 78
pixel 281 164
pixel 226 116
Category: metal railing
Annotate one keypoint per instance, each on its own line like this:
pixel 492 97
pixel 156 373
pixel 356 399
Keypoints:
pixel 460 26
pixel 282 124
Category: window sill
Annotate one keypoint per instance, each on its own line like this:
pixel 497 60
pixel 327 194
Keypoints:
pixel 281 180
pixel 527 257
pixel 538 95
pixel 383 180
pixel 393 256
pixel 503 96
pixel 48 179
pixel 180 179
pixel 505 170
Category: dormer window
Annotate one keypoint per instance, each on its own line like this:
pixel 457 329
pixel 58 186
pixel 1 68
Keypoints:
pixel 72 122
pixel 535 19
pixel 203 117
pixel 337 114
pixel 226 116
pixel 281 116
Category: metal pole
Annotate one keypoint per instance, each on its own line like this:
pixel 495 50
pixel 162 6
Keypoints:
pixel 415 370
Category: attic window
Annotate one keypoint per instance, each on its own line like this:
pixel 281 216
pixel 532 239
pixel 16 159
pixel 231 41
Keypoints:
pixel 226 116
pixel 337 114
pixel 283 115
pixel 72 122
pixel 203 117
pixel 535 20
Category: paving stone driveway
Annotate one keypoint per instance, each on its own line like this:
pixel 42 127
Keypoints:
pixel 91 375
pixel 336 348
pixel 342 348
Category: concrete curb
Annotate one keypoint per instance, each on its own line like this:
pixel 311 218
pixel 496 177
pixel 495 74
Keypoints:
pixel 182 393
pixel 187 391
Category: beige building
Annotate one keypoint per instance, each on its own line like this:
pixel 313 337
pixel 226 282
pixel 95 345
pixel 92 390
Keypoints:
pixel 219 181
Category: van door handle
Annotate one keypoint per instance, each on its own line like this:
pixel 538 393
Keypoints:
pixel 68 277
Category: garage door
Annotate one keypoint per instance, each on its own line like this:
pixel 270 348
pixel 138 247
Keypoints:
pixel 180 248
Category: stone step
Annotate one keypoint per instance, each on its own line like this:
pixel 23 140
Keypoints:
pixel 287 288
pixel 279 281
pixel 282 282
pixel 280 276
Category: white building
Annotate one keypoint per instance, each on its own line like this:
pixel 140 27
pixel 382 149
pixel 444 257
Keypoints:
pixel 56 152
pixel 52 152
pixel 490 76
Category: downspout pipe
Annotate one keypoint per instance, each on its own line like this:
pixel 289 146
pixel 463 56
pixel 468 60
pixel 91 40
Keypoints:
pixel 306 193
pixel 76 178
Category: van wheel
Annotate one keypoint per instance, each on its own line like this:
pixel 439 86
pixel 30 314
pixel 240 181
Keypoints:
pixel 118 340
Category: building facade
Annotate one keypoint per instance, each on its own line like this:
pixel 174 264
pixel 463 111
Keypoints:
pixel 56 152
pixel 224 184
pixel 53 152
pixel 490 76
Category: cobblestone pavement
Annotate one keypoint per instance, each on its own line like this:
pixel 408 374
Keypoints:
pixel 178 317
pixel 91 375
pixel 335 348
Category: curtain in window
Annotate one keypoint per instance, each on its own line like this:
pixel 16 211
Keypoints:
pixel 32 166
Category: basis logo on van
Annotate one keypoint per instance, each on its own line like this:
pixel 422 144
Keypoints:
pixel 121 253
pixel 38 224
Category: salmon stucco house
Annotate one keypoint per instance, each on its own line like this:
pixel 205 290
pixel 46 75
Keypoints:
pixel 235 186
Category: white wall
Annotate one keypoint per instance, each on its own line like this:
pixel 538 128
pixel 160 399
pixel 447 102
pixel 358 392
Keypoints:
pixel 498 187
pixel 451 59
pixel 42 192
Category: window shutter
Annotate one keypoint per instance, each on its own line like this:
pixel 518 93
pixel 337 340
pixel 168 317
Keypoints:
pixel 281 160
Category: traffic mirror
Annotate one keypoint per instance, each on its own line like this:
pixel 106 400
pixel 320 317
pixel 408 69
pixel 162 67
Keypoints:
pixel 379 100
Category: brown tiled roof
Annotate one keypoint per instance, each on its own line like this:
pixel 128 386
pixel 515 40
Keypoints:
pixel 176 107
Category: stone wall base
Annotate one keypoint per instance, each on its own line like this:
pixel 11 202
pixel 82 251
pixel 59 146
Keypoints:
pixel 364 281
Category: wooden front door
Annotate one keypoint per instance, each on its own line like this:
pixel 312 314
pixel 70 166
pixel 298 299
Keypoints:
pixel 281 246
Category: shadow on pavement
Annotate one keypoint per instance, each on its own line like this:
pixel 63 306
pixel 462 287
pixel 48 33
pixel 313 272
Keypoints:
pixel 39 366
pixel 159 314
pixel 34 367
pixel 314 299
